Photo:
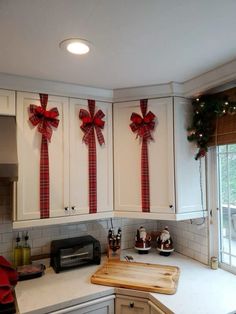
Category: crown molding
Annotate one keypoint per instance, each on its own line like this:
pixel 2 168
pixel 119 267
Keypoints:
pixel 27 84
pixel 224 75
pixel 220 78
pixel 152 91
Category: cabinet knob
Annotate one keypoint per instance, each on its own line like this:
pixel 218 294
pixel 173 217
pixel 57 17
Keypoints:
pixel 131 305
pixel 73 207
pixel 66 208
pixel 171 206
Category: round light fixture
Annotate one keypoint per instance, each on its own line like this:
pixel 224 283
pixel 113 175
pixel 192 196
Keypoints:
pixel 76 46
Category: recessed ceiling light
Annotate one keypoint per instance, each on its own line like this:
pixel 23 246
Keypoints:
pixel 75 45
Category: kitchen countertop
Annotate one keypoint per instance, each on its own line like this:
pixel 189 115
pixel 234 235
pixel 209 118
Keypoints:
pixel 201 290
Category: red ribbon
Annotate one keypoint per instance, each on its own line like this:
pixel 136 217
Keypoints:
pixel 45 121
pixel 92 122
pixel 143 125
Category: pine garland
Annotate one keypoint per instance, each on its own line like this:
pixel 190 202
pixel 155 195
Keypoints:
pixel 206 109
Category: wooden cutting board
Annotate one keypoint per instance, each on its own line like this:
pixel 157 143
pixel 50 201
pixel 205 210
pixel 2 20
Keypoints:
pixel 138 276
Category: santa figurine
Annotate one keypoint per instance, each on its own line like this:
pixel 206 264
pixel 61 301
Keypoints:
pixel 164 242
pixel 142 241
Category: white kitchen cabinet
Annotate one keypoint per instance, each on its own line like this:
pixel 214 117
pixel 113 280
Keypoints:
pixel 7 102
pixel 131 305
pixel 68 164
pixel 79 187
pixel 189 174
pixel 175 185
pixel 103 305
pixel 28 147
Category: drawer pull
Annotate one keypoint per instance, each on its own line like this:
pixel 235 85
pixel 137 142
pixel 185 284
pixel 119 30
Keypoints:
pixel 131 305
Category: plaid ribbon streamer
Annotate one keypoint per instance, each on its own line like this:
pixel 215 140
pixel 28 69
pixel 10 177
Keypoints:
pixel 45 120
pixel 143 127
pixel 92 123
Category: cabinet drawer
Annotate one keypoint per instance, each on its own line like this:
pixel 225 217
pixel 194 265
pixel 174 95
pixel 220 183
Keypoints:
pixel 131 305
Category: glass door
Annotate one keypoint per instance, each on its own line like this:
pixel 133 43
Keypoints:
pixel 226 160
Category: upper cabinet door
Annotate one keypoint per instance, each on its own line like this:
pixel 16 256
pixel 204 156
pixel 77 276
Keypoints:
pixel 127 158
pixel 189 173
pixel 79 183
pixel 28 144
pixel 7 102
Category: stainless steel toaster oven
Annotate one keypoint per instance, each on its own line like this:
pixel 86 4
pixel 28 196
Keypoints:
pixel 74 252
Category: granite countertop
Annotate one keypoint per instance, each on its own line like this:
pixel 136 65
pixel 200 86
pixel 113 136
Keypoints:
pixel 201 290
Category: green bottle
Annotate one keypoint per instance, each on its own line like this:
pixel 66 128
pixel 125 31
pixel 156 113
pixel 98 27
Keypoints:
pixel 26 251
pixel 17 252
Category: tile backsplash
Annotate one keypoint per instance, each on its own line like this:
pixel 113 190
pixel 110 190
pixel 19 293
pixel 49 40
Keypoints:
pixel 189 239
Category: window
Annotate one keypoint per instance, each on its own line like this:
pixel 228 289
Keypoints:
pixel 226 179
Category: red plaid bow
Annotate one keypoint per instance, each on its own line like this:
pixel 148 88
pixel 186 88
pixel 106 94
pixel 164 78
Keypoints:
pixel 45 121
pixel 43 118
pixel 143 126
pixel 92 121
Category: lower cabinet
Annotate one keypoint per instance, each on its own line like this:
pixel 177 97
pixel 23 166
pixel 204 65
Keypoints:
pixel 131 305
pixel 135 305
pixel 154 309
pixel 98 306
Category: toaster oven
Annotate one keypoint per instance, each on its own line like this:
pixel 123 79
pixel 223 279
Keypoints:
pixel 74 252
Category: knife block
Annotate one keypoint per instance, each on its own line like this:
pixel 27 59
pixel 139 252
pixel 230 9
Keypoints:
pixel 113 255
pixel 114 245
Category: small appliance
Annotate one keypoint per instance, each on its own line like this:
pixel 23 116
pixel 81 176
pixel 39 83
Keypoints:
pixel 74 252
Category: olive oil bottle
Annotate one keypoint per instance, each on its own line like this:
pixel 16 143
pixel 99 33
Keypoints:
pixel 26 251
pixel 17 253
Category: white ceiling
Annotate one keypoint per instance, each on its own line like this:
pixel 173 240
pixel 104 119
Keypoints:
pixel 135 42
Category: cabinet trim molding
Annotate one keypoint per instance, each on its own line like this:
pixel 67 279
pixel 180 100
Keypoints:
pixel 161 216
pixel 105 215
pixel 61 220
pixel 85 304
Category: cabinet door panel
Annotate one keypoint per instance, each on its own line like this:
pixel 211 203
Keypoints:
pixel 161 158
pixel 29 143
pixel 187 169
pixel 127 157
pixel 79 187
pixel 7 102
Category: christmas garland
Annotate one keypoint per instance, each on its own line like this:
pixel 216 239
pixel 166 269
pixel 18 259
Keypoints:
pixel 205 111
